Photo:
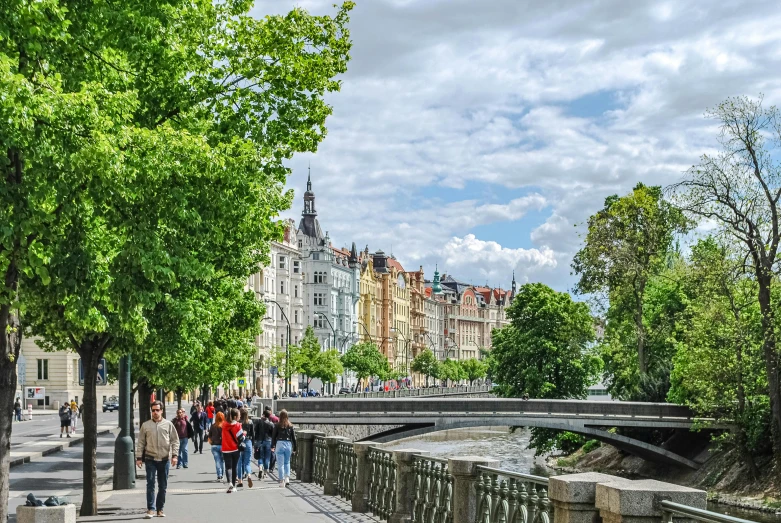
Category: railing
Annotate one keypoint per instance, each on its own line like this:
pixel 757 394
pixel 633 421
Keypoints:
pixel 320 460
pixel 519 498
pixel 382 483
pixel 348 470
pixel 433 491
pixel 413 393
pixel 669 509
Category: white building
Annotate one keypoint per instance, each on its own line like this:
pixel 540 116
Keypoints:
pixel 434 307
pixel 57 373
pixel 331 283
pixel 280 285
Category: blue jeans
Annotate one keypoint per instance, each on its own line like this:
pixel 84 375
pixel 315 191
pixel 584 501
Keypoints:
pixel 284 451
pixel 182 453
pixel 265 454
pixel 18 413
pixel 219 462
pixel 245 461
pixel 159 469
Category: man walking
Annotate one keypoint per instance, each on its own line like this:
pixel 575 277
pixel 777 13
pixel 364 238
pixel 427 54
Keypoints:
pixel 157 443
pixel 18 410
pixel 65 419
pixel 184 431
pixel 199 426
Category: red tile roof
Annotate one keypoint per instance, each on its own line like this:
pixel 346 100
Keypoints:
pixel 392 262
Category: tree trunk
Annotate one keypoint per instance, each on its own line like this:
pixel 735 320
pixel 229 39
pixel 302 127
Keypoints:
pixel 771 361
pixel 144 401
pixel 179 399
pixel 10 345
pixel 642 364
pixel 91 352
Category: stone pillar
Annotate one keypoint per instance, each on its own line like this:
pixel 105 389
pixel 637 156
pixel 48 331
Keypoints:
pixel 360 501
pixel 305 440
pixel 405 485
pixel 331 483
pixel 626 501
pixel 465 474
pixel 574 496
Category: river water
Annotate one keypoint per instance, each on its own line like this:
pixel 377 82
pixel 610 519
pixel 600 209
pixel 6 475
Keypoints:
pixel 511 449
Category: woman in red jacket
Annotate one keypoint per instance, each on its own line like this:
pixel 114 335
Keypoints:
pixel 232 439
pixel 209 415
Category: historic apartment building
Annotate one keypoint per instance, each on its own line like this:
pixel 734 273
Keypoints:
pixel 330 282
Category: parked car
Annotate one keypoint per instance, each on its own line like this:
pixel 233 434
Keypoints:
pixel 344 390
pixel 111 404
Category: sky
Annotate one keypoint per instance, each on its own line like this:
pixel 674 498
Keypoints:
pixel 479 135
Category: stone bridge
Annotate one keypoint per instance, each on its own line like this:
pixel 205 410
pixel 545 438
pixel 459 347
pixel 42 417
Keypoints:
pixel 388 419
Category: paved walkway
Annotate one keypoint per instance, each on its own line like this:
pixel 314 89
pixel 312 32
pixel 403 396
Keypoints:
pixel 194 495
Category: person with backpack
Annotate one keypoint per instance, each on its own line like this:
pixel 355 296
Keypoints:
pixel 283 442
pixel 232 444
pixel 185 431
pixel 65 419
pixel 245 460
pixel 262 431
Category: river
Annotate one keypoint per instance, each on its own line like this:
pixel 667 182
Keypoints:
pixel 511 448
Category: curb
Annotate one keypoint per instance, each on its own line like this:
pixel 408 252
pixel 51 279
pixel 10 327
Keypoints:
pixel 35 456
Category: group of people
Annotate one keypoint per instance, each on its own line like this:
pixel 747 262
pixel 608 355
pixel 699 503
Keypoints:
pixel 235 440
pixel 69 414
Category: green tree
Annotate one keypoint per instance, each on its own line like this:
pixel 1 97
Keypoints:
pixel 426 363
pixel 366 361
pixel 317 363
pixel 718 366
pixel 474 369
pixel 739 188
pixel 545 351
pixel 149 152
pixel 452 371
pixel 627 243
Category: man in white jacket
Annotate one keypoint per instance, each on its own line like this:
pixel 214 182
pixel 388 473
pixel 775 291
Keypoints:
pixel 157 447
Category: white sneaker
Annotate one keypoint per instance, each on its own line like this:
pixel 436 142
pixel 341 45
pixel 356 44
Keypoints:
pixel 281 483
pixel 149 514
pixel 287 481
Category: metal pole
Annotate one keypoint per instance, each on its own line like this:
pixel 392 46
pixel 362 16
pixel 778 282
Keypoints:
pixel 124 459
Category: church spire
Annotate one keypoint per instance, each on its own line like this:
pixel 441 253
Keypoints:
pixel 309 180
pixel 436 286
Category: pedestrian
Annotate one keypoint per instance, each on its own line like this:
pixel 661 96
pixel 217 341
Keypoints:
pixel 273 419
pixel 18 409
pixel 157 443
pixel 65 419
pixel 74 415
pixel 262 431
pixel 232 440
pixel 276 396
pixel 198 421
pixel 283 443
pixel 215 440
pixel 209 415
pixel 184 431
pixel 245 461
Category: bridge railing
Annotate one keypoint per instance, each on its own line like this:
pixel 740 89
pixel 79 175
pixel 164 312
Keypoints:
pixel 409 485
pixel 423 391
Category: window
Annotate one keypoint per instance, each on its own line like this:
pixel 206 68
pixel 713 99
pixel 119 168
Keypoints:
pixel 43 370
pixel 295 315
pixel 319 298
pixel 295 291
pixel 300 244
pixel 282 262
pixel 320 277
pixel 319 322
pixel 315 255
pixel 282 287
pixel 296 267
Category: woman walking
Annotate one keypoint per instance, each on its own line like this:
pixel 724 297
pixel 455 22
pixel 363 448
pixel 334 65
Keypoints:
pixel 215 439
pixel 209 415
pixel 245 463
pixel 232 440
pixel 283 443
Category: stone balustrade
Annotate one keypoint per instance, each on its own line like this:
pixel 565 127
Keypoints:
pixel 408 486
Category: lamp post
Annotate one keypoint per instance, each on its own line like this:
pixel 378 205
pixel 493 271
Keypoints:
pixel 287 345
pixel 124 469
pixel 368 335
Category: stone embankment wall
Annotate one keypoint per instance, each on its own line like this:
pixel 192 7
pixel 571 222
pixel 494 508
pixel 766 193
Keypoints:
pixel 352 432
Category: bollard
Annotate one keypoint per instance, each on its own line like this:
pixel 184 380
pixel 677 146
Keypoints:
pixel 465 475
pixel 405 485
pixel 331 483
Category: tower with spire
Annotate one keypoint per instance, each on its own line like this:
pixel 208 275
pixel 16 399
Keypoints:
pixel 436 284
pixel 514 288
pixel 309 226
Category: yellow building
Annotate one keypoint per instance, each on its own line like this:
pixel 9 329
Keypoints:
pixel 384 307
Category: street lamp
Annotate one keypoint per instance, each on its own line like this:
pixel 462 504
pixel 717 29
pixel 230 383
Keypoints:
pixel 368 335
pixel 287 344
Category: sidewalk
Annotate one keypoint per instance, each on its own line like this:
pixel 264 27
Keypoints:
pixel 194 495
pixel 31 440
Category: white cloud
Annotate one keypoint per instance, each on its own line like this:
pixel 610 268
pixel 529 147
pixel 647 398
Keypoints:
pixel 476 95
